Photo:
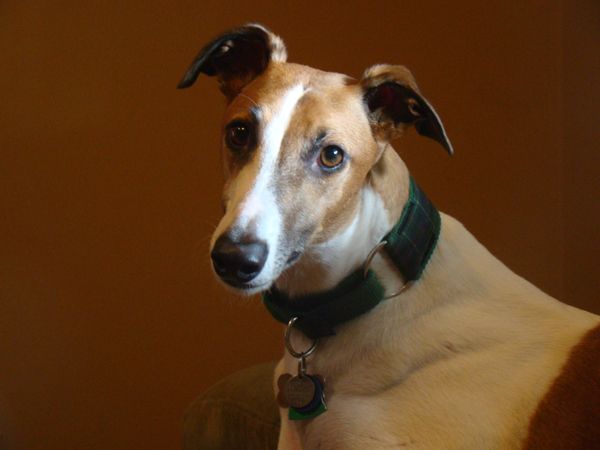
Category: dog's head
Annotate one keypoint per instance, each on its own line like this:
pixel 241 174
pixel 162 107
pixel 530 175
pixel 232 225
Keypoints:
pixel 298 145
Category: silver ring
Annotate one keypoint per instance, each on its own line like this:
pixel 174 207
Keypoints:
pixel 404 287
pixel 367 265
pixel 288 342
pixel 370 257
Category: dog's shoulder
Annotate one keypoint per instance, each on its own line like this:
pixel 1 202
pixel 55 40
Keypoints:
pixel 568 416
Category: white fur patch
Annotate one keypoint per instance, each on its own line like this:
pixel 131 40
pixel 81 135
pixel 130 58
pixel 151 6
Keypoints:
pixel 345 252
pixel 253 202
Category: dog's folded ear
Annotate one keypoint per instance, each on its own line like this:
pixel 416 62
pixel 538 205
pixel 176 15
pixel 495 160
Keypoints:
pixel 393 102
pixel 236 58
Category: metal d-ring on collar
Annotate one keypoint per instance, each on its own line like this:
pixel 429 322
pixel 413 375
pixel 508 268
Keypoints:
pixel 301 356
pixel 367 265
pixel 288 341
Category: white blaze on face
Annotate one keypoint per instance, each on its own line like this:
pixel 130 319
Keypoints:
pixel 253 205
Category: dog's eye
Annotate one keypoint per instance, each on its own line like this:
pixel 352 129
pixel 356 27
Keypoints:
pixel 331 157
pixel 238 135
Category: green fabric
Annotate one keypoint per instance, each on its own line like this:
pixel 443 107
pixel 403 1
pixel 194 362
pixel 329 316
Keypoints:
pixel 318 314
pixel 294 414
pixel 410 244
pixel 238 413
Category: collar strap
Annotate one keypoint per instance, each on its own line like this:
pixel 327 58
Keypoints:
pixel 411 242
pixel 409 245
pixel 318 314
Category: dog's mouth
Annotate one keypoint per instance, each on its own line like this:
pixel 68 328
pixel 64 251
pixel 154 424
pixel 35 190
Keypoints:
pixel 248 288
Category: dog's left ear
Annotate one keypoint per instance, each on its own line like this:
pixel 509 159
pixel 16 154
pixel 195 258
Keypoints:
pixel 393 102
pixel 236 58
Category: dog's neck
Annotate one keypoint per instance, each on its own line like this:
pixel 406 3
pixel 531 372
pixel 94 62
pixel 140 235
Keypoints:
pixel 380 204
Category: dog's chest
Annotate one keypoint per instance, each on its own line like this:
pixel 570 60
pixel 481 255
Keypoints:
pixel 480 398
pixel 431 412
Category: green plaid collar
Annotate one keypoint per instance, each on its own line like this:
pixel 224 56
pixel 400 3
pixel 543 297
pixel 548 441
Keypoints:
pixel 409 244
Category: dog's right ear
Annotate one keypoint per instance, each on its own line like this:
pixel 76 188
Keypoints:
pixel 236 58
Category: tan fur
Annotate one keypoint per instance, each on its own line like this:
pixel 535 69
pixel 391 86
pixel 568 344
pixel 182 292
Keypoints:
pixel 390 166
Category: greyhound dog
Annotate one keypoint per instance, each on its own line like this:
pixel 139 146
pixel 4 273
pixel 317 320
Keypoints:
pixel 403 331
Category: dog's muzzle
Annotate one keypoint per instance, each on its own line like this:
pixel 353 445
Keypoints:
pixel 238 261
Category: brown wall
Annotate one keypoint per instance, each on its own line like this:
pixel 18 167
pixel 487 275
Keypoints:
pixel 110 320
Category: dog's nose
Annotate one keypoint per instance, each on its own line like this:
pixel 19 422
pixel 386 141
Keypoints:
pixel 238 261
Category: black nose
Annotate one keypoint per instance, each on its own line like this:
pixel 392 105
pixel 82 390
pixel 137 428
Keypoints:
pixel 238 261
